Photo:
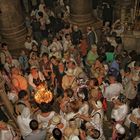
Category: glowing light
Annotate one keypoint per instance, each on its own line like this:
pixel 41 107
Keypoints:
pixel 43 95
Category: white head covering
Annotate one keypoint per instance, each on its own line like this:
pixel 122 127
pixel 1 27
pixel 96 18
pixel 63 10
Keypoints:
pixel 99 104
pixel 120 129
pixel 70 72
pixel 56 120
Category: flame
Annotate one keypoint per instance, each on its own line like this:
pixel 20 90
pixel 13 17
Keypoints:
pixel 43 95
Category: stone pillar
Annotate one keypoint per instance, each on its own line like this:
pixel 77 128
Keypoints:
pixel 6 101
pixel 12 26
pixel 81 12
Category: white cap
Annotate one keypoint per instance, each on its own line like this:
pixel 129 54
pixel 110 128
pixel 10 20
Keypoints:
pixel 120 129
pixel 99 104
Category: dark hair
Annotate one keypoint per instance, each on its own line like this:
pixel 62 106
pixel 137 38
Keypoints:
pixel 84 91
pixel 28 36
pixel 118 40
pixel 53 57
pixel 137 64
pixel 66 35
pixel 74 106
pixel 45 107
pixel 118 57
pixel 34 124
pixel 96 134
pixel 114 34
pixel 22 94
pixel 95 80
pixel 3 44
pixel 127 69
pixel 40 14
pixel 67 26
pixel 57 134
pixel 45 54
pixel 125 53
pixel 111 48
pixel 69 92
pixel 122 98
pixel 133 55
pixel 101 58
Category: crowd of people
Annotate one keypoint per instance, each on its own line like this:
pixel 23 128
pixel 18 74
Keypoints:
pixel 93 79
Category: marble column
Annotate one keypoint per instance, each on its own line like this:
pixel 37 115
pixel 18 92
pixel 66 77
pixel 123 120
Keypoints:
pixel 12 26
pixel 81 12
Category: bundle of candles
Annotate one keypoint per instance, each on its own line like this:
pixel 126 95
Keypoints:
pixel 43 95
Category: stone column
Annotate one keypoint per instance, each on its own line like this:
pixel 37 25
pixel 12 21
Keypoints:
pixel 81 12
pixel 12 26
pixel 7 104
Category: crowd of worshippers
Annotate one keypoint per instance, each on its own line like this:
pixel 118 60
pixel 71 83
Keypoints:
pixel 93 80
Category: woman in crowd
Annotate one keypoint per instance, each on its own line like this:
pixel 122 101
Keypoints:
pixel 35 78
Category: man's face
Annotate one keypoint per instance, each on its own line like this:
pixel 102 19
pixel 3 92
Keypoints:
pixel 26 98
pixel 2 126
pixel 68 38
pixel 45 42
pixel 8 60
pixel 34 71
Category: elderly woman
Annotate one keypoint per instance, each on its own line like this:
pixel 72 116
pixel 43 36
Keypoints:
pixel 35 78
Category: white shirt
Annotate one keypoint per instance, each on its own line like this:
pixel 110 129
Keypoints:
pixel 7 134
pixel 28 45
pixel 113 90
pixel 96 122
pixel 23 121
pixel 67 45
pixel 30 79
pixel 15 63
pixel 120 113
pixel 44 120
pixel 55 49
pixel 84 109
pixel 136 113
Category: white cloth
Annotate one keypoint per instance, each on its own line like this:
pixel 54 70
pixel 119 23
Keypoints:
pixel 15 63
pixel 55 49
pixel 67 45
pixel 113 90
pixel 23 121
pixel 44 49
pixel 73 137
pixel 97 120
pixel 136 113
pixel 120 113
pixel 112 41
pixel 28 45
pixel 30 79
pixel 44 120
pixel 7 134
pixel 84 109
